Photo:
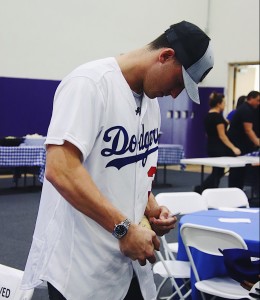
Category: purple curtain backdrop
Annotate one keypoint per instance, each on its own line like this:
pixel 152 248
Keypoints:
pixel 25 105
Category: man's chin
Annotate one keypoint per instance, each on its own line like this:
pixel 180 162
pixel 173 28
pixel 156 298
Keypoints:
pixel 157 95
pixel 151 96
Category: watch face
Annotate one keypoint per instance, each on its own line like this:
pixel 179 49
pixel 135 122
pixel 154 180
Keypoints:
pixel 120 230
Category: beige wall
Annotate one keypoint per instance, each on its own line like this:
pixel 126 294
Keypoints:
pixel 234 27
pixel 47 39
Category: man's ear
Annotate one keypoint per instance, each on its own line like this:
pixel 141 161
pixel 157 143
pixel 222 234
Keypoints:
pixel 166 54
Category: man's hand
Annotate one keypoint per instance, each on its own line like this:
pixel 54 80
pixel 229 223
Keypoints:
pixel 164 223
pixel 139 244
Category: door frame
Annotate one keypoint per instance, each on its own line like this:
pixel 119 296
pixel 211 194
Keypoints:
pixel 232 76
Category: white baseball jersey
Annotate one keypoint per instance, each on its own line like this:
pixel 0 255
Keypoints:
pixel 95 110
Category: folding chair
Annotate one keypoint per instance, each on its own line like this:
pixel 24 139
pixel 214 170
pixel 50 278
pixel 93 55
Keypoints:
pixel 225 197
pixel 184 203
pixel 254 293
pixel 173 269
pixel 209 240
pixel 10 281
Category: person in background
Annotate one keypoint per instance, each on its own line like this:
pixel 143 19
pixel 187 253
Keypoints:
pixel 252 176
pixel 102 150
pixel 240 101
pixel 243 132
pixel 256 120
pixel 218 144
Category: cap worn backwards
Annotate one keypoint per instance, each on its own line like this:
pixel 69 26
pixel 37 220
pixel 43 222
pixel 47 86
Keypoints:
pixel 193 50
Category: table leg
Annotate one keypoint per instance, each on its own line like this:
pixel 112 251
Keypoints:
pixel 164 173
pixel 25 179
pixel 202 174
pixel 156 184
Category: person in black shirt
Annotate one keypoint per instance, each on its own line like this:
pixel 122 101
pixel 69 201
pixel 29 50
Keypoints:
pixel 218 143
pixel 243 132
pixel 240 101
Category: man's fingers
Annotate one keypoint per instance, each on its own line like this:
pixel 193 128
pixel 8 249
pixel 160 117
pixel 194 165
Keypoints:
pixel 152 259
pixel 166 223
pixel 142 262
pixel 156 242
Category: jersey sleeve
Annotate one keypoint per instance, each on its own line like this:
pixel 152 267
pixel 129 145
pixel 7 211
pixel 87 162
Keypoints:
pixel 77 114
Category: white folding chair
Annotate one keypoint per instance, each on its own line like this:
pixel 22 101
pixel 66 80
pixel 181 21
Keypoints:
pixel 10 281
pixel 254 293
pixel 173 269
pixel 225 197
pixel 209 240
pixel 184 203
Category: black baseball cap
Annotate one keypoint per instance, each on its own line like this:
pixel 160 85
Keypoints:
pixel 193 50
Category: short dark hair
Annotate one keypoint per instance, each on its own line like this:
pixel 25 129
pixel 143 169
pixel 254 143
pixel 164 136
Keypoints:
pixel 252 94
pixel 240 101
pixel 215 99
pixel 160 42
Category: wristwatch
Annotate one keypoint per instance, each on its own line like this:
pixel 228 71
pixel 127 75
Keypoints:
pixel 121 229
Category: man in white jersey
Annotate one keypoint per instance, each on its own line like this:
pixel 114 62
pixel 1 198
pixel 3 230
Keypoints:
pixel 102 146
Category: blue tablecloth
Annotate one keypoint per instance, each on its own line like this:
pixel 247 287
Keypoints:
pixel 27 156
pixel 207 265
pixel 170 154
